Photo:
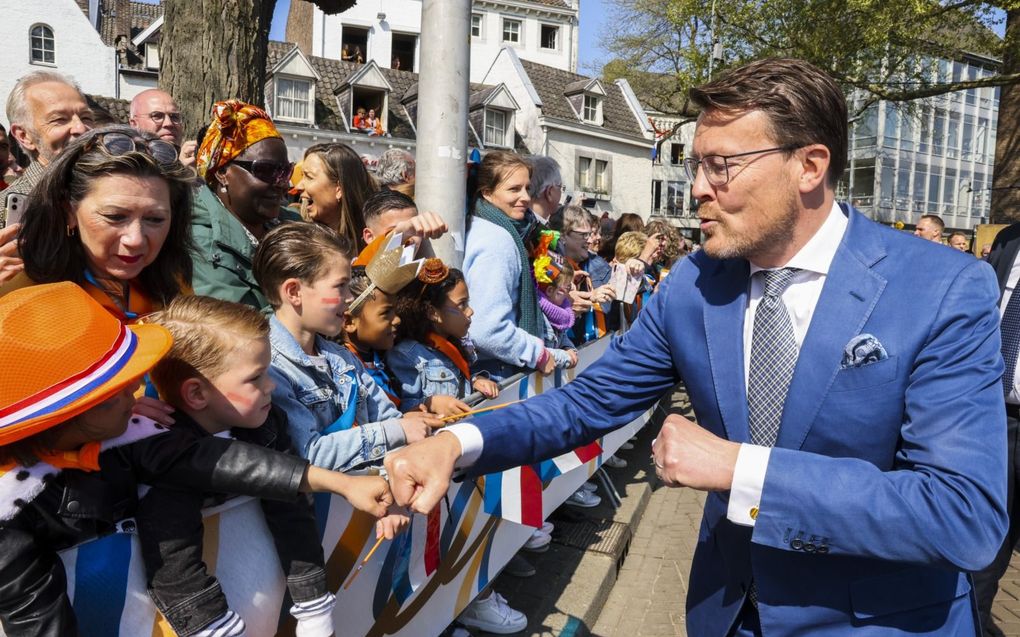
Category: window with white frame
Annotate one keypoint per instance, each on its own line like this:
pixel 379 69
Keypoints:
pixel 42 45
pixel 151 55
pixel 583 173
pixel 294 99
pixel 601 181
pixel 511 30
pixel 476 25
pixel 592 109
pixel 496 127
pixel 550 37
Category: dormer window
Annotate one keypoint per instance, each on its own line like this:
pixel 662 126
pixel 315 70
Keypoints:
pixel 41 45
pixel 592 109
pixel 511 31
pixel 294 99
pixel 497 128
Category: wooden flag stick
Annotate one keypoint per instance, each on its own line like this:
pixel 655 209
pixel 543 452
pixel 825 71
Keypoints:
pixel 354 575
pixel 453 417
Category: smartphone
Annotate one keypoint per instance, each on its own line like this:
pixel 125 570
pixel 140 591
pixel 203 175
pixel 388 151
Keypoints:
pixel 16 204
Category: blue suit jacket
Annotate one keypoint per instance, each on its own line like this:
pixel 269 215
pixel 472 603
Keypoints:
pixel 897 468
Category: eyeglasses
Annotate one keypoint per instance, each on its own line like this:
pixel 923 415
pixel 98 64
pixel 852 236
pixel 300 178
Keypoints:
pixel 271 172
pixel 157 117
pixel 717 168
pixel 581 235
pixel 117 144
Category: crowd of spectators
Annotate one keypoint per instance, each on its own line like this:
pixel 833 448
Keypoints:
pixel 166 255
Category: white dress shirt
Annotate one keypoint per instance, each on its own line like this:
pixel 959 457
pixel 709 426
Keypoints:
pixel 800 298
pixel 1011 283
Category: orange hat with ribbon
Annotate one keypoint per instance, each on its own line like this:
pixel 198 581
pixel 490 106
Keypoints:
pixel 235 126
pixel 54 368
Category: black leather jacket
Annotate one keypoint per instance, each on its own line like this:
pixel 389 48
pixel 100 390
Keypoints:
pixel 170 529
pixel 76 506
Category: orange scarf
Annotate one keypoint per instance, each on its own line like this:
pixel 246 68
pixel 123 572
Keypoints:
pixel 84 459
pixel 450 351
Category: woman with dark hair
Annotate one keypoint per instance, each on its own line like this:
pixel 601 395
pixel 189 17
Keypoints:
pixel 244 163
pixel 113 215
pixel 335 186
pixel 628 222
pixel 508 330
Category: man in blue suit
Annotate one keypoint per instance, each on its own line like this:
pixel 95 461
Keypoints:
pixel 845 378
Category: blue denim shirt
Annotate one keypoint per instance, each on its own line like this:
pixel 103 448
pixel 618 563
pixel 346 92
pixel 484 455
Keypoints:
pixel 422 371
pixel 313 400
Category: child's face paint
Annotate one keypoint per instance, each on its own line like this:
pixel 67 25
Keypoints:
pixel 324 301
pixel 241 394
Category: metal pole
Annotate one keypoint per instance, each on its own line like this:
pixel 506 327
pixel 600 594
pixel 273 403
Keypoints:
pixel 442 119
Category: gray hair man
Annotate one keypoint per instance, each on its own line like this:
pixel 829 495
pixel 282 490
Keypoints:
pixel 46 110
pixel 155 111
pixel 396 166
pixel 546 188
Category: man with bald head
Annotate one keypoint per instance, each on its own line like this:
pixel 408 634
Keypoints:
pixel 154 111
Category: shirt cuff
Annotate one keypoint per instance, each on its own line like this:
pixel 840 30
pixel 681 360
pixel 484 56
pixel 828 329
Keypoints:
pixel 748 482
pixel 470 443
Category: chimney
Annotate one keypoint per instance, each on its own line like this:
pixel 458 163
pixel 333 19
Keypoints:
pixel 299 25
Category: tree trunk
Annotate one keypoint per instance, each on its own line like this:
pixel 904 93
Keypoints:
pixel 1005 207
pixel 213 50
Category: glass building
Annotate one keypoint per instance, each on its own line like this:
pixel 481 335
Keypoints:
pixel 928 157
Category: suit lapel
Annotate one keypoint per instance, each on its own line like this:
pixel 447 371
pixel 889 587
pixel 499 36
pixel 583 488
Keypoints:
pixel 725 304
pixel 849 295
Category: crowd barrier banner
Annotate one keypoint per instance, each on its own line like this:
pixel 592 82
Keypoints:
pixel 467 549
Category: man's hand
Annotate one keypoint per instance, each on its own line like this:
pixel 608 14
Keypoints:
pixel 419 474
pixel 10 260
pixel 187 153
pixel 580 301
pixel 688 455
pixel 603 294
pixel 427 225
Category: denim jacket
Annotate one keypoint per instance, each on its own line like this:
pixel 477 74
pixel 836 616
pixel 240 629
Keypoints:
pixel 422 371
pixel 314 400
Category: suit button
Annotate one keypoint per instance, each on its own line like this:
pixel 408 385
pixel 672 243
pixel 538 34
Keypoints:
pixel 73 506
pixel 809 548
pixel 823 549
pixel 796 544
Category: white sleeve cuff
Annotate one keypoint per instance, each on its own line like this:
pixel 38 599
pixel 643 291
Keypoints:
pixel 470 443
pixel 748 481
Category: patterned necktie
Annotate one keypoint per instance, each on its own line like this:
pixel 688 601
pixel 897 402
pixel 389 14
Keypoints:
pixel 773 357
pixel 1010 331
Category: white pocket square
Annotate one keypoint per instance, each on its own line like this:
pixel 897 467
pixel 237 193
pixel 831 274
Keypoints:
pixel 863 349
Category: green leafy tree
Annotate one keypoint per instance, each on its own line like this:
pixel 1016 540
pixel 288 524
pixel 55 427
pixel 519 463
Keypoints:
pixel 887 50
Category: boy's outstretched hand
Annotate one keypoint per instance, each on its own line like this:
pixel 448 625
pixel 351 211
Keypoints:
pixel 446 405
pixel 417 425
pixel 486 387
pixel 370 494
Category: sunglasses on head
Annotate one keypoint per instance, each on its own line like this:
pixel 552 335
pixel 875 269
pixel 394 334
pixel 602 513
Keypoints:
pixel 270 172
pixel 117 144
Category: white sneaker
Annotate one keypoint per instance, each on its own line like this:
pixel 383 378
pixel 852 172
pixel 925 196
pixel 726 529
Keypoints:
pixel 583 499
pixel 590 487
pixel 547 528
pixel 538 542
pixel 614 463
pixel 493 615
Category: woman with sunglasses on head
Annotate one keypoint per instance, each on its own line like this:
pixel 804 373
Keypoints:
pixel 112 214
pixel 244 163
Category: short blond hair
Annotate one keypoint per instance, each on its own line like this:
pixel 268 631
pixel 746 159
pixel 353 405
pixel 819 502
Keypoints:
pixel 629 245
pixel 205 331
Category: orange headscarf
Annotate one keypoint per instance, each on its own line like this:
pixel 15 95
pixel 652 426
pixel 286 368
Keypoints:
pixel 235 126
